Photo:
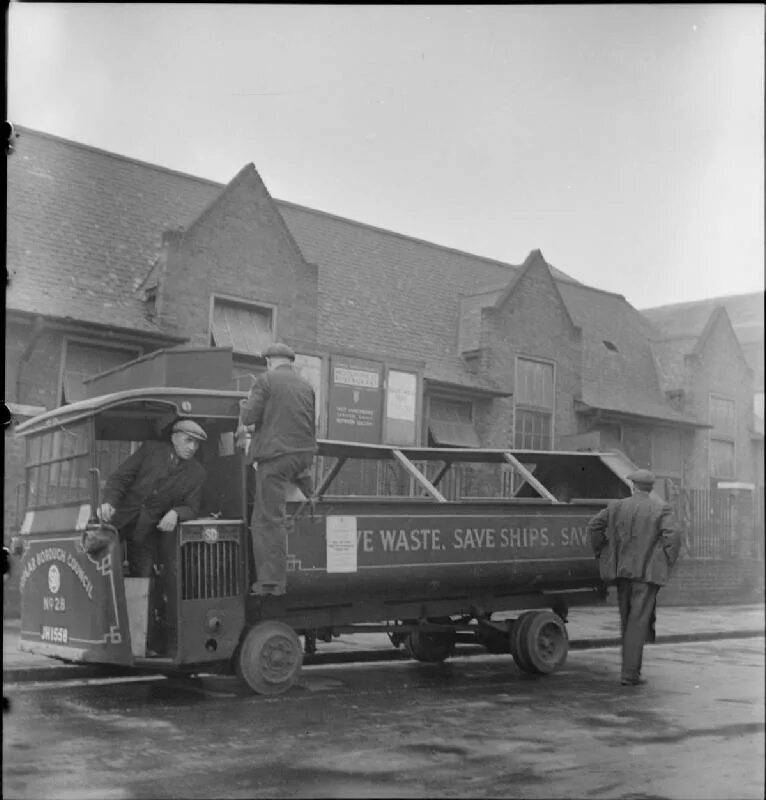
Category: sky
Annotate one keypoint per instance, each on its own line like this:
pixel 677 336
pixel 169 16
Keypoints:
pixel 626 142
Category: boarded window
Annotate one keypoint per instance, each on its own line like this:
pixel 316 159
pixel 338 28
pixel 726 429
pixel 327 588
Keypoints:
pixel 534 383
pixel 722 437
pixel 86 360
pixel 722 417
pixel 722 459
pixel 245 327
pixel 667 451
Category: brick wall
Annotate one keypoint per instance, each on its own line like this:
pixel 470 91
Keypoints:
pixel 241 248
pixel 711 582
pixel 532 322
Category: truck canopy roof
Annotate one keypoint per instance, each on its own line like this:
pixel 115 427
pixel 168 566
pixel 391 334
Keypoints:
pixel 185 402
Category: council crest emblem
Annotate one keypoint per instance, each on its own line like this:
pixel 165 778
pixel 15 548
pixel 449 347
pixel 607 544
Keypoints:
pixel 54 579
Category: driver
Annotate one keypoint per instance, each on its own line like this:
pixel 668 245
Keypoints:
pixel 153 490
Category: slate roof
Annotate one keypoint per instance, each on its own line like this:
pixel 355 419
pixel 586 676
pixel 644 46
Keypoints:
pixel 623 379
pixel 85 226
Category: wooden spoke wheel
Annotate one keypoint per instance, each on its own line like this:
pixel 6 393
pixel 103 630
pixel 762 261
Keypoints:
pixel 269 658
pixel 542 643
pixel 430 647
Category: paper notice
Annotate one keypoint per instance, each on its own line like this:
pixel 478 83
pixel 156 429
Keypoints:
pixel 341 544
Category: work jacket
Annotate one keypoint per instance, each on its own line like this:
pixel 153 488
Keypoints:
pixel 635 538
pixel 145 487
pixel 280 407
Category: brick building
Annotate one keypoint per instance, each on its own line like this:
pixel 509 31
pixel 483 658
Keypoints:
pixel 110 258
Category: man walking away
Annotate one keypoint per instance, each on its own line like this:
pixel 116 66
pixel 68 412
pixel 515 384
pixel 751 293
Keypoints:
pixel 281 410
pixel 636 543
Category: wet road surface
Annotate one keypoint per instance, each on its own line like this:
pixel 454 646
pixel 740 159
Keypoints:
pixel 472 727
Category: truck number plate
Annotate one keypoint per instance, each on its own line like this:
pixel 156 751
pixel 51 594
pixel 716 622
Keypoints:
pixel 52 633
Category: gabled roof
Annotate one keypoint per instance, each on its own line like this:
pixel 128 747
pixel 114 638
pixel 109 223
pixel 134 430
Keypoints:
pixel 688 320
pixel 99 219
pixel 535 257
pixel 619 373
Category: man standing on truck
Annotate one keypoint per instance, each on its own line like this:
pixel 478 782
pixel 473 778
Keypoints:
pixel 280 408
pixel 154 489
pixel 636 543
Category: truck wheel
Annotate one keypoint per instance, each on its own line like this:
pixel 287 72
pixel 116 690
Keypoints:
pixel 517 650
pixel 544 642
pixel 429 647
pixel 269 657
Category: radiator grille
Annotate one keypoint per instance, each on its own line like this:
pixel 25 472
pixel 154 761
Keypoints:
pixel 210 570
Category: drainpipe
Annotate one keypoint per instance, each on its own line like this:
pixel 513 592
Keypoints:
pixel 37 329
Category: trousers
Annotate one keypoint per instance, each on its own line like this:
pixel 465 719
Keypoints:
pixel 268 523
pixel 637 603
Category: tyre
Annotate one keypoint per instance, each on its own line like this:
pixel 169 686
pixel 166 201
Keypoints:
pixel 517 650
pixel 430 647
pixel 269 658
pixel 544 642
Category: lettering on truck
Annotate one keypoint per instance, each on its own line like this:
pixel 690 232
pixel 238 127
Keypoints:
pixel 556 535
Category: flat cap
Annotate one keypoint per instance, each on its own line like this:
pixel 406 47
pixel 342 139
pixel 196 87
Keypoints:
pixel 642 477
pixel 190 428
pixel 279 349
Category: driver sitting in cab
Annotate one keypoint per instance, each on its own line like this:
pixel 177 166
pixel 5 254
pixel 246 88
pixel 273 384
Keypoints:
pixel 152 491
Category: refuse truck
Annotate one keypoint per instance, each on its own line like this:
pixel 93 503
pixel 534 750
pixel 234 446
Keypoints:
pixel 430 569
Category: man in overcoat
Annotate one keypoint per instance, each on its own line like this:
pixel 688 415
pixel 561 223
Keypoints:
pixel 153 490
pixel 280 409
pixel 637 543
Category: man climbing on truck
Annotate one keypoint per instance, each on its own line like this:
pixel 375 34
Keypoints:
pixel 280 408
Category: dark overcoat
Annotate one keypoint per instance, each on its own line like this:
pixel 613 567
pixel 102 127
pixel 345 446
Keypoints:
pixel 145 487
pixel 280 407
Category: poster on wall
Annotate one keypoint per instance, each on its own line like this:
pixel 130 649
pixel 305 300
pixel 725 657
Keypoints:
pixel 356 400
pixel 401 407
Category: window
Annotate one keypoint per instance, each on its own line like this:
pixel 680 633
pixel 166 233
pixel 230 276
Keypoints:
pixel 57 467
pixel 450 423
pixel 82 360
pixel 722 437
pixel 533 405
pixel 248 328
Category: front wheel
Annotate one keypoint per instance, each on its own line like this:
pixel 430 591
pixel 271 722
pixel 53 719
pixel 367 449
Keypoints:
pixel 269 658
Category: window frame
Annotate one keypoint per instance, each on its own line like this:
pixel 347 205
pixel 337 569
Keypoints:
pixel 255 305
pixel 136 350
pixel 520 406
pixel 722 436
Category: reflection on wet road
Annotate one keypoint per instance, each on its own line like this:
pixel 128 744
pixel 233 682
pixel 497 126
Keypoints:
pixel 470 727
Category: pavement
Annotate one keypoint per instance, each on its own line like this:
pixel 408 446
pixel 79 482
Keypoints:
pixel 588 627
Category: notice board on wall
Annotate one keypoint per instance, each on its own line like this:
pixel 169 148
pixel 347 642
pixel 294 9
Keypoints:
pixel 356 400
pixel 401 407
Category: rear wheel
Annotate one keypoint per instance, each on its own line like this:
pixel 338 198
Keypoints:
pixel 430 647
pixel 269 658
pixel 542 643
pixel 517 651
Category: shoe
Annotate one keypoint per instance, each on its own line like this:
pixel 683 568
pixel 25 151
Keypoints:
pixel 267 588
pixel 151 654
pixel 633 681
